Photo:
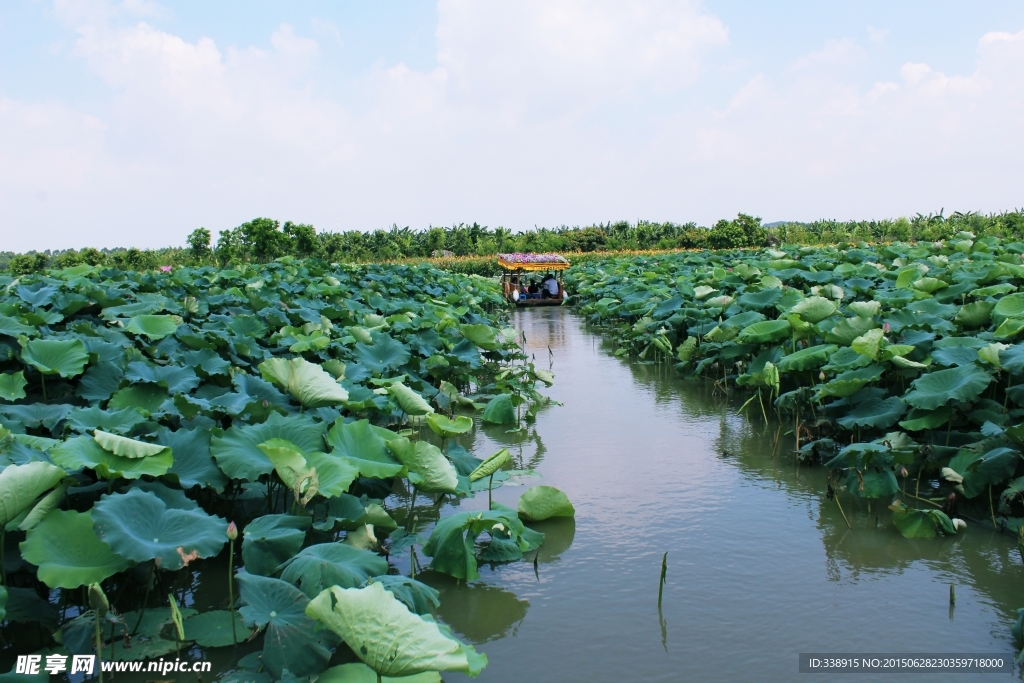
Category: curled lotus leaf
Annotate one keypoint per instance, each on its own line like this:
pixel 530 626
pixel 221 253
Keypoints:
pixel 83 451
pixel 814 309
pixel 491 465
pixel 427 467
pixel 389 638
pixel 20 485
pixel 765 332
pixel 445 427
pixel 307 382
pixel 127 448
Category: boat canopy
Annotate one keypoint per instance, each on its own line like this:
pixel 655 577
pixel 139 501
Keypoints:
pixel 532 262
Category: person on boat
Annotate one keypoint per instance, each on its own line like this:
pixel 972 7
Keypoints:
pixel 534 290
pixel 550 287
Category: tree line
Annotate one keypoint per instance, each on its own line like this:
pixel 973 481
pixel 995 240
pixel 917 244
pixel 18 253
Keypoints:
pixel 264 239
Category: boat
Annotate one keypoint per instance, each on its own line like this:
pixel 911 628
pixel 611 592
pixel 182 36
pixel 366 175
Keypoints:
pixel 513 283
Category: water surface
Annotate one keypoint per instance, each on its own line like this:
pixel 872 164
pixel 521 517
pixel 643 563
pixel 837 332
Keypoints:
pixel 761 565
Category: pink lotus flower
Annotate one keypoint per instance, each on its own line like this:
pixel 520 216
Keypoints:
pixel 232 531
pixel 165 269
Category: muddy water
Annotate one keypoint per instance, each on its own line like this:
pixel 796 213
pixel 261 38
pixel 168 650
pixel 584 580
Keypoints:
pixel 760 566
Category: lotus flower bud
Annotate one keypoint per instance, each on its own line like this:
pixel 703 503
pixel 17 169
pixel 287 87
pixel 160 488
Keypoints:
pixel 885 328
pixel 232 531
pixel 903 472
pixel 821 376
pixel 98 600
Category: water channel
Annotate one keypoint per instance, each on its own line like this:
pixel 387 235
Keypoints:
pixel 761 566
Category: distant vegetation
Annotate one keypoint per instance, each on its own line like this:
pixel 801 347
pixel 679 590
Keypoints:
pixel 263 239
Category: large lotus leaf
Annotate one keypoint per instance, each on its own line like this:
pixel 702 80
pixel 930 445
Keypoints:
pixel 864 309
pixel 270 540
pixel 500 410
pixel 13 328
pixel 64 357
pixel 125 447
pixel 975 314
pixel 994 467
pixel 88 419
pixel 868 343
pixel 874 412
pixel 872 482
pixel 193 464
pixel 452 548
pixel 307 382
pixel 175 378
pixel 760 300
pixel 385 353
pixel 918 420
pixel 357 672
pixel 238 454
pixel 806 359
pixel 1009 328
pixel 429 471
pixel 83 451
pixel 444 426
pixel 20 485
pixel 920 523
pixel 291 466
pixel 1012 359
pixel 849 329
pixel 207 360
pixel 544 502
pixel 68 553
pixel 490 465
pixel 140 526
pixel 408 400
pixel 213 629
pixel 929 284
pixel 954 355
pixel 152 326
pixel 334 473
pixel 850 382
pixel 936 389
pixel 364 446
pixel 765 332
pixel 12 386
pixel 389 638
pixel 484 336
pixel 1010 306
pixel 145 398
pixel 418 597
pixel 332 564
pixel 290 641
pixel 814 309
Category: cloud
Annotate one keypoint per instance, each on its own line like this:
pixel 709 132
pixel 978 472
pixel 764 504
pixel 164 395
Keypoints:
pixel 534 113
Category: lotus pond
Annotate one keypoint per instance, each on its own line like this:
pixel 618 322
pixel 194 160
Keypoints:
pixel 152 421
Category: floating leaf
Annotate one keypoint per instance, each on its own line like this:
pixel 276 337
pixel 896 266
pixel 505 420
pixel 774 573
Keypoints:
pixel 68 553
pixel 544 502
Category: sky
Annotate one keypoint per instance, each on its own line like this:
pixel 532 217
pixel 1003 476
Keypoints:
pixel 133 122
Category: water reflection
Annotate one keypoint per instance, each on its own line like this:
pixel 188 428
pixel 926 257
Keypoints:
pixel 558 535
pixel 477 611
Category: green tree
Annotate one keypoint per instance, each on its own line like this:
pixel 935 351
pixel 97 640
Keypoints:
pixel 199 243
pixel 263 239
pixel 303 238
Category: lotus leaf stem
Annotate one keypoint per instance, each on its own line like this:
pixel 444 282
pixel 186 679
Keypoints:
pixel 850 526
pixel 99 645
pixel 3 567
pixel 231 588
pixel 490 482
pixel 42 380
pixel 661 581
pixel 412 504
pixel 145 599
pixel 991 508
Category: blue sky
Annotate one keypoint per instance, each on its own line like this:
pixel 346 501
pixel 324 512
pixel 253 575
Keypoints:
pixel 133 122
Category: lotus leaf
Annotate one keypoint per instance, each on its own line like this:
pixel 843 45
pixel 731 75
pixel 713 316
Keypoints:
pixel 68 553
pixel 358 672
pixel 765 332
pixel 12 386
pixel 446 427
pixel 814 309
pixel 20 485
pixel 484 336
pixel 807 359
pixel 238 454
pixel 864 309
pixel 213 629
pixel 491 465
pixel 83 451
pixel 140 526
pixel 954 355
pixel 418 597
pixel 868 343
pixel 848 329
pixel 500 410
pixel 920 523
pixel 308 383
pixel 409 401
pixel 127 448
pixel 878 413
pixel 936 389
pixel 389 638
pixel 173 378
pixel 758 301
pixel 152 326
pixel 385 353
pixel 291 466
pixel 290 640
pixel 364 446
pixel 1010 306
pixel 88 419
pixel 271 540
pixel 145 398
pixel 64 357
pixel 543 502
pixel 332 564
pixel 428 469
pixel 193 465
pixel 975 314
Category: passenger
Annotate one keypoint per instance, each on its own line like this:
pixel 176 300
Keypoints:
pixel 534 289
pixel 550 287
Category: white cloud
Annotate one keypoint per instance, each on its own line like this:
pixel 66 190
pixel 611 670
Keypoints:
pixel 547 113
